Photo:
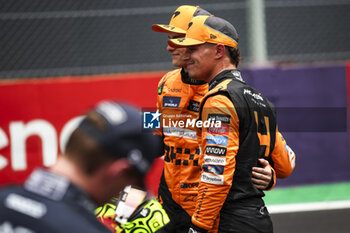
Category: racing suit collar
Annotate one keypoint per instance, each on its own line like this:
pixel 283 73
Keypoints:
pixel 186 79
pixel 226 74
pixel 55 187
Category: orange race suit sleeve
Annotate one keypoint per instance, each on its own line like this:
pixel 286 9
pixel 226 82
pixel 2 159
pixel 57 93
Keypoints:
pixel 215 185
pixel 159 102
pixel 283 157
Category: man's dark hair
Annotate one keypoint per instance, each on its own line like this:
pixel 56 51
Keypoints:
pixel 234 54
pixel 84 150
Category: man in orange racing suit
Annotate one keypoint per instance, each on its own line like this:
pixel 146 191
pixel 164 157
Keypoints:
pixel 227 199
pixel 178 101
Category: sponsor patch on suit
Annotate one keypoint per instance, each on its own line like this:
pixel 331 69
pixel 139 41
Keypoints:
pixel 171 101
pixel 214 160
pixel 225 119
pixel 217 140
pixel 216 169
pixel 215 150
pixel 224 130
pixel 193 106
pixel 212 179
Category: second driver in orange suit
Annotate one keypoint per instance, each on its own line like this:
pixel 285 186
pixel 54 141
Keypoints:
pixel 228 200
pixel 178 100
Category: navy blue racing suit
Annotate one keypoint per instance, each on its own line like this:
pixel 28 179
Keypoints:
pixel 47 203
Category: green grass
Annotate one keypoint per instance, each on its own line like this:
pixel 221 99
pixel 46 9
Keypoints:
pixel 310 193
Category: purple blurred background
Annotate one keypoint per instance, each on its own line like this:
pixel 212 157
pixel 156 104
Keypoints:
pixel 311 104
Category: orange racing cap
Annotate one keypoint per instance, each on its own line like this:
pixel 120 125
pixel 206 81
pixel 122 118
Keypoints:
pixel 180 19
pixel 207 29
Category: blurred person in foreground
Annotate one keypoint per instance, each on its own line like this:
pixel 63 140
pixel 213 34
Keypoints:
pixel 227 199
pixel 107 152
pixel 178 100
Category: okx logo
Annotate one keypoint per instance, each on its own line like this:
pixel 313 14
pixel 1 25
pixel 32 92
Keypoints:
pixel 151 120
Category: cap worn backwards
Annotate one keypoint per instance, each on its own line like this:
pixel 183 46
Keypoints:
pixel 180 19
pixel 123 136
pixel 207 29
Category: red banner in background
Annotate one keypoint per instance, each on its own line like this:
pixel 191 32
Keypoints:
pixel 38 114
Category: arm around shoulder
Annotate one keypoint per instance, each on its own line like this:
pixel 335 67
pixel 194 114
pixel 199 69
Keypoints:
pixel 283 157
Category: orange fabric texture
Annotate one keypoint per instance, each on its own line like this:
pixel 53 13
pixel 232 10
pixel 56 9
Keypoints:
pixel 181 168
pixel 211 196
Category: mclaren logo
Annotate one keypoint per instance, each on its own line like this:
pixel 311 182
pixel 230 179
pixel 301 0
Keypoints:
pixel 180 39
pixel 189 25
pixel 212 36
pixel 176 13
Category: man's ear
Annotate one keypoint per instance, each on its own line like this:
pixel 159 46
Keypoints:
pixel 220 51
pixel 117 167
pixel 123 172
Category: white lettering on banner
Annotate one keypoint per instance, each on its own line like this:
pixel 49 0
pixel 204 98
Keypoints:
pixel 19 132
pixel 67 130
pixel 3 143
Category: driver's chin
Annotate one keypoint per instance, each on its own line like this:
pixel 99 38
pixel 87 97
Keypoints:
pixel 179 63
pixel 193 74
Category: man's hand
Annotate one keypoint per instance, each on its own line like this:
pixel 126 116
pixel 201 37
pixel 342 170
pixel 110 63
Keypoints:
pixel 262 176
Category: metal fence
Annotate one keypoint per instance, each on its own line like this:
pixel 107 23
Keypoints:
pixel 41 38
